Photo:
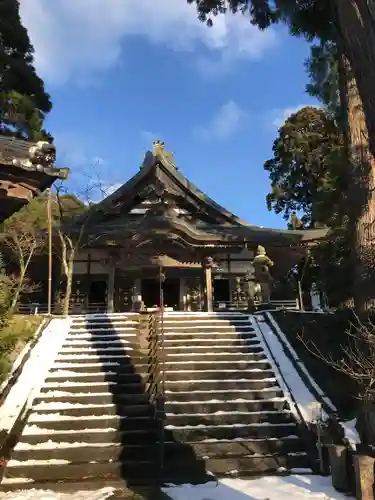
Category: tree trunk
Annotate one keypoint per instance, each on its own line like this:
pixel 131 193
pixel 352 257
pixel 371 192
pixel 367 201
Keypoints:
pixel 356 25
pixel 69 282
pixel 17 292
pixel 361 198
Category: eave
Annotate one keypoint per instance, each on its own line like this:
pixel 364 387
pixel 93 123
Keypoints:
pixel 26 170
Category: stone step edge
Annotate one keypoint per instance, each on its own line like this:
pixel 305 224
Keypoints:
pixel 106 394
pixel 169 382
pixel 13 464
pixel 148 431
pixel 119 444
pixel 16 484
pixel 34 416
pixel 82 406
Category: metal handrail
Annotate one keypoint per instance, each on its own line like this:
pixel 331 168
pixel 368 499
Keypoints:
pixel 156 381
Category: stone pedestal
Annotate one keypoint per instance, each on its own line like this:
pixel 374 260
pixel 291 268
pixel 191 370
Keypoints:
pixel 338 459
pixel 364 474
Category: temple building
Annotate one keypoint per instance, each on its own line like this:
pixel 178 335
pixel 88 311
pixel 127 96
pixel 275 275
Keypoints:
pixel 26 170
pixel 159 228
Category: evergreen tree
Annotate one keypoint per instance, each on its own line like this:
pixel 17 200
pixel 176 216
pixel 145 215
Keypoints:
pixel 23 99
pixel 307 169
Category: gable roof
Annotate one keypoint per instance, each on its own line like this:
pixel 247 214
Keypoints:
pixel 159 174
pixel 204 222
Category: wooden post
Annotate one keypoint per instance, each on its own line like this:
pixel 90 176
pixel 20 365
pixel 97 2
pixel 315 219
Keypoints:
pixel 300 296
pixel 208 262
pixel 49 221
pixel 111 288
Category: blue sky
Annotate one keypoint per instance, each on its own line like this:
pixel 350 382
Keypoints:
pixel 124 72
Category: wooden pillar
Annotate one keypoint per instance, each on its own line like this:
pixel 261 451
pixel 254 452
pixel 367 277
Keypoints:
pixel 111 287
pixel 183 291
pixel 88 282
pixel 207 264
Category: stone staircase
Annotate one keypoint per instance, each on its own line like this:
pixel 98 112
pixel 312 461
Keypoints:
pixel 223 399
pixel 92 421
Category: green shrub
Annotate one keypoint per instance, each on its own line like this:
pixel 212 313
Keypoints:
pixel 15 333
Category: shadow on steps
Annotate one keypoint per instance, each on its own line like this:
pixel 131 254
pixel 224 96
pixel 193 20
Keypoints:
pixel 139 454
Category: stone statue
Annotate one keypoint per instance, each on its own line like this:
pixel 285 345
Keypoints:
pixel 261 264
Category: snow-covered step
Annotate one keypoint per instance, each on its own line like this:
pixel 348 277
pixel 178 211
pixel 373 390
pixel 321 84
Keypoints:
pixel 69 410
pixel 206 321
pixel 92 365
pixel 254 347
pixel 174 394
pixel 221 356
pixel 104 324
pixel 94 342
pixel 84 357
pixel 243 327
pixel 216 373
pixel 103 335
pixel 94 334
pixel 230 418
pixel 103 316
pixel 93 350
pixel 241 364
pixel 212 406
pixel 192 433
pixel 86 398
pixel 207 334
pixel 113 386
pixel 214 384
pixel 215 342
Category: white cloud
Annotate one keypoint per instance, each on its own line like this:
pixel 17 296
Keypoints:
pixel 148 137
pixel 74 39
pixel 279 116
pixel 224 124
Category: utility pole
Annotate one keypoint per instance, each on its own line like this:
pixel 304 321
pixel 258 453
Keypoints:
pixel 49 219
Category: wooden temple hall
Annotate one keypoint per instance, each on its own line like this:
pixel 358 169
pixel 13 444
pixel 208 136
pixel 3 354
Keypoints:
pixel 158 229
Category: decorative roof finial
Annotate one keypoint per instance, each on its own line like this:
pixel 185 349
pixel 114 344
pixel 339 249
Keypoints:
pixel 158 147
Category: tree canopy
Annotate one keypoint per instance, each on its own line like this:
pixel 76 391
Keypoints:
pixel 23 99
pixel 307 168
pixel 350 24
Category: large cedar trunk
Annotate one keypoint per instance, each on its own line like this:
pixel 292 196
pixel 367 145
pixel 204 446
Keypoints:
pixel 356 25
pixel 361 198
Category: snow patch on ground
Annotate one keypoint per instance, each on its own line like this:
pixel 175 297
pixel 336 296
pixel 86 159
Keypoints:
pixel 301 364
pixel 266 488
pixel 294 388
pixel 350 432
pixel 103 494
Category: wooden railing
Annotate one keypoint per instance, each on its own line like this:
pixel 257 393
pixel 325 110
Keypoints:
pixel 35 308
pixel 242 305
pixel 156 392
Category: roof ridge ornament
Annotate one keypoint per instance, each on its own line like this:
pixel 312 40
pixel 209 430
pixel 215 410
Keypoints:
pixel 158 150
pixel 158 147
